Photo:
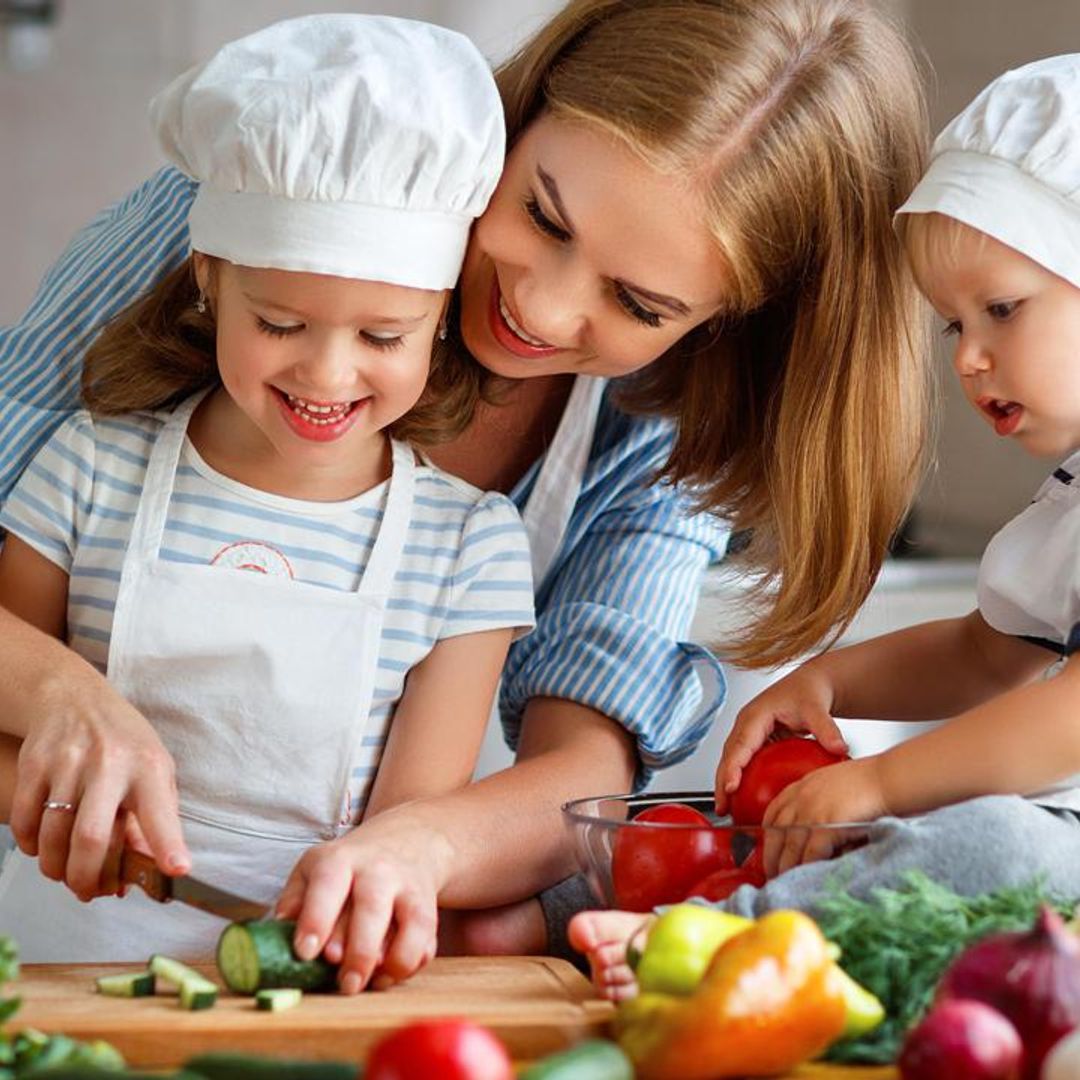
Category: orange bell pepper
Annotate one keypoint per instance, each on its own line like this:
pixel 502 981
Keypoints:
pixel 769 1001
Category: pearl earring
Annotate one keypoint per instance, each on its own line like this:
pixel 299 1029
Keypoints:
pixel 200 304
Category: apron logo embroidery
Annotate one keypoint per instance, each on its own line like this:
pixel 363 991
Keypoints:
pixel 255 556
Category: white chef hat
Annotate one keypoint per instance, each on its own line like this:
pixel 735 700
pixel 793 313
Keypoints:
pixel 355 145
pixel 1009 165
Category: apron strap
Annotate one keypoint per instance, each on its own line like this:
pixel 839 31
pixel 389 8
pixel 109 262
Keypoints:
pixel 551 504
pixel 378 576
pixel 150 517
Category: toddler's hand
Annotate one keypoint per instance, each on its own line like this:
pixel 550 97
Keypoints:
pixel 848 792
pixel 799 703
pixel 369 901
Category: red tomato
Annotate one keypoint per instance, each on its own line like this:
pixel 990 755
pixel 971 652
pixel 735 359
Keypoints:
pixel 439 1050
pixel 658 866
pixel 770 770
pixel 722 883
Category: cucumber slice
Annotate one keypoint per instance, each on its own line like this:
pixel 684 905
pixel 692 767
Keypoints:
pixel 278 999
pixel 258 955
pixel 139 984
pixel 225 1066
pixel 196 991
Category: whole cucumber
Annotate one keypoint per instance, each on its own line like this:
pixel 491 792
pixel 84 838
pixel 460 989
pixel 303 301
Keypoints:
pixel 258 955
pixel 594 1059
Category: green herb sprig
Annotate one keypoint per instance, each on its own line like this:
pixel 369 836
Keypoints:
pixel 898 943
pixel 9 971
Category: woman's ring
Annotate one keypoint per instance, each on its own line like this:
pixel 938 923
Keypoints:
pixel 56 804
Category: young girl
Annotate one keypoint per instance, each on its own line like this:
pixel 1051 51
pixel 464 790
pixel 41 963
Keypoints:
pixel 993 235
pixel 236 531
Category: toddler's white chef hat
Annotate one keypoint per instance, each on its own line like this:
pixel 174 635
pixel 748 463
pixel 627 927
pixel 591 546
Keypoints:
pixel 1009 165
pixel 355 145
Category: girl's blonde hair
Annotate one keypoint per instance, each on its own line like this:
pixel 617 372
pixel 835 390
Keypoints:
pixel 162 349
pixel 801 412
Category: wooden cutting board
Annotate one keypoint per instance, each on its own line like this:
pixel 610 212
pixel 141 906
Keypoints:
pixel 534 1004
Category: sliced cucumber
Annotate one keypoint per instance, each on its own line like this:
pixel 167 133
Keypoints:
pixel 248 1067
pixel 258 955
pixel 196 991
pixel 139 984
pixel 279 999
pixel 595 1059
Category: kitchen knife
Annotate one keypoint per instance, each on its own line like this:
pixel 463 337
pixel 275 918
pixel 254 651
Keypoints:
pixel 141 870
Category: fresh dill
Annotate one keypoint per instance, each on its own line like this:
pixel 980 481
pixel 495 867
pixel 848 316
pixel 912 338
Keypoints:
pixel 898 942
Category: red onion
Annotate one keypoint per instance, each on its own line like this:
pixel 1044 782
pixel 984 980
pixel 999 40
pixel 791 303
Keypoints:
pixel 961 1040
pixel 1032 977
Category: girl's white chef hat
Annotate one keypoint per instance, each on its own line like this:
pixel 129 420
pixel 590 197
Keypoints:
pixel 355 145
pixel 1009 165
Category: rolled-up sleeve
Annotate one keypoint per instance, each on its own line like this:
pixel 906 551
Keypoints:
pixel 615 610
pixel 113 261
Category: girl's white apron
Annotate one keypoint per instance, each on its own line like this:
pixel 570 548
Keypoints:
pixel 260 688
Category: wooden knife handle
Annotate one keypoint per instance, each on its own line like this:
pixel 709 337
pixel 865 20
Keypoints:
pixel 141 870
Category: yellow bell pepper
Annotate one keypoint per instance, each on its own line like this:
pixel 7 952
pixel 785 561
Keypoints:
pixel 769 1000
pixel 681 945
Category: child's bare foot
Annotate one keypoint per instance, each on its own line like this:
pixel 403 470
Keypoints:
pixel 603 937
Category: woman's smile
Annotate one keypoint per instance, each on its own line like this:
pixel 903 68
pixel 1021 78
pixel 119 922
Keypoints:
pixel 587 260
pixel 508 331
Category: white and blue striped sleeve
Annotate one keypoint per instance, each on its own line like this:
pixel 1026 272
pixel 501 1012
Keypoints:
pixel 492 586
pixel 50 503
pixel 112 262
pixel 614 615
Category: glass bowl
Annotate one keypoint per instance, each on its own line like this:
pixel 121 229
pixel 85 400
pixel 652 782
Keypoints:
pixel 635 863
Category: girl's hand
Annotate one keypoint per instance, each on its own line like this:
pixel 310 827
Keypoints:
pixel 848 792
pixel 89 747
pixel 800 703
pixel 369 900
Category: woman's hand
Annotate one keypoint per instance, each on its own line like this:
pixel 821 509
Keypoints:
pixel 369 900
pixel 800 703
pixel 88 747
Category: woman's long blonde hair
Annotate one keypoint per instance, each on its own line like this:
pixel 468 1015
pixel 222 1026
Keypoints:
pixel 802 412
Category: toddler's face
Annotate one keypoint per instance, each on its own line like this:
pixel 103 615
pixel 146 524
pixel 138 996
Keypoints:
pixel 1016 328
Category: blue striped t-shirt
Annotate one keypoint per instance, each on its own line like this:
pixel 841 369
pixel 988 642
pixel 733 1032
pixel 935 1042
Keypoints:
pixel 464 568
pixel 614 610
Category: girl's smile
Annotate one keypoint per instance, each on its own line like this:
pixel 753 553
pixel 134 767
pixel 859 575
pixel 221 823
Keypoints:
pixel 319 421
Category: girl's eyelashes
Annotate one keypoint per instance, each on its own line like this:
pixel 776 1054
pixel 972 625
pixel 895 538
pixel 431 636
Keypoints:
pixel 549 228
pixel 394 342
pixel 378 341
pixel 952 327
pixel 274 330
pixel 542 221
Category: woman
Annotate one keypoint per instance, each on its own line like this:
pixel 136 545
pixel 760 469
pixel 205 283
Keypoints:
pixel 697 205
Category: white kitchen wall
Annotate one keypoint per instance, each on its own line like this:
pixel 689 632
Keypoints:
pixel 74 135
